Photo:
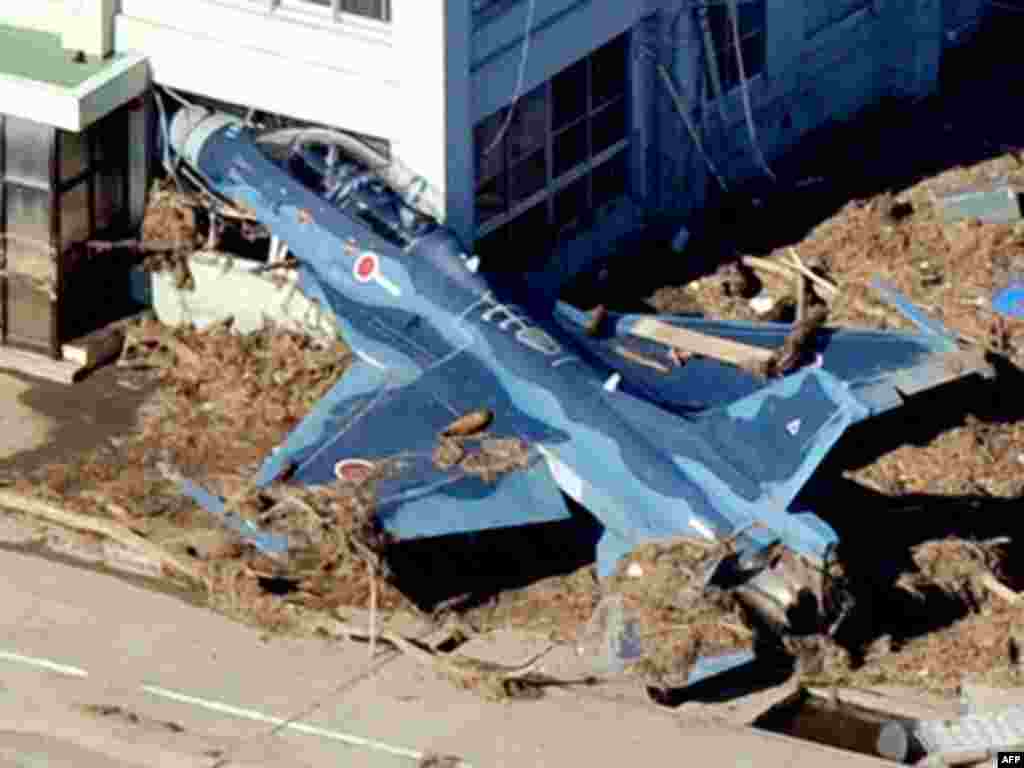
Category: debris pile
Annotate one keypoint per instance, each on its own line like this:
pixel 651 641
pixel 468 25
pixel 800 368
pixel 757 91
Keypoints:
pixel 679 618
pixel 224 400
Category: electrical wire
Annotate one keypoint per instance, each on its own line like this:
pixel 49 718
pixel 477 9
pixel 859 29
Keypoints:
pixel 170 164
pixel 684 116
pixel 745 91
pixel 178 98
pixel 524 56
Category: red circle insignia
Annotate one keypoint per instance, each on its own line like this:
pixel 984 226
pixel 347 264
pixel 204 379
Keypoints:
pixel 353 470
pixel 365 267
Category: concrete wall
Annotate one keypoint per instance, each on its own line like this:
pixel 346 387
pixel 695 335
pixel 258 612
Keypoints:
pixel 563 32
pixel 84 25
pixel 825 60
pixel 423 80
pixel 41 15
pixel 88 26
pixel 814 73
pixel 404 81
pixel 307 66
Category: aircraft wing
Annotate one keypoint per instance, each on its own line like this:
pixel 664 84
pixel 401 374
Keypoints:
pixel 752 444
pixel 370 415
pixel 880 368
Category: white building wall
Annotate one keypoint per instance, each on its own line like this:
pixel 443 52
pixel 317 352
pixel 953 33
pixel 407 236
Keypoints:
pixel 307 66
pixel 426 78
pixel 41 15
pixel 434 134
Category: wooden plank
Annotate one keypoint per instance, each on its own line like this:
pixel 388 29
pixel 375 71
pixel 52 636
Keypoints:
pixel 34 364
pixel 725 350
pixel 94 348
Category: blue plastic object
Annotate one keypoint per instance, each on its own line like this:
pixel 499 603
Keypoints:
pixel 1010 300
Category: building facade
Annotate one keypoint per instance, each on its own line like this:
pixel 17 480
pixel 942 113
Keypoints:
pixel 548 129
pixel 69 112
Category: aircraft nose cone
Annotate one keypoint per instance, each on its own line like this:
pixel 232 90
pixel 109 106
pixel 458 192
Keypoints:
pixel 191 127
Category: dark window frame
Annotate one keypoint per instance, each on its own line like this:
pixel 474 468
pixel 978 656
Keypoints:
pixel 818 18
pixel 560 177
pixel 753 28
pixel 55 188
pixel 374 10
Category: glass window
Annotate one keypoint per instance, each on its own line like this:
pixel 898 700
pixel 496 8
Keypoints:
pixel 751 22
pixel 528 129
pixel 557 132
pixel 609 126
pixel 571 209
pixel 570 148
pixel 74 154
pixel 28 214
pixel 373 9
pixel 529 236
pixel 610 70
pixel 490 156
pixel 611 179
pixel 528 177
pixel 492 247
pixel 491 199
pixel 74 215
pixel 569 95
pixel 110 189
pixel 29 146
pixel 111 140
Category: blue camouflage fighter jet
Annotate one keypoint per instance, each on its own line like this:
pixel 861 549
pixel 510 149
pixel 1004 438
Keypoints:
pixel 653 450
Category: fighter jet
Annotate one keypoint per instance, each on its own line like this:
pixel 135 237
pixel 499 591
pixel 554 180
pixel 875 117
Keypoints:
pixel 654 444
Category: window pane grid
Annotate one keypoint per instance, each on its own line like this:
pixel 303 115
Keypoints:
pixel 563 132
pixel 378 10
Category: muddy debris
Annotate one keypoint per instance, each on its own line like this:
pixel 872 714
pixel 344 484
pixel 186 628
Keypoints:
pixel 226 399
pixel 794 350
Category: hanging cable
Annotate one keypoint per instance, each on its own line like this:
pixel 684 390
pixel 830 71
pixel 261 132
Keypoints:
pixel 524 55
pixel 711 58
pixel 734 18
pixel 680 106
pixel 681 109
pixel 170 164
pixel 178 98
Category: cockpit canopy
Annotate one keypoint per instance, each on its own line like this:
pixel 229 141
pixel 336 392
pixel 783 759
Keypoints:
pixel 348 184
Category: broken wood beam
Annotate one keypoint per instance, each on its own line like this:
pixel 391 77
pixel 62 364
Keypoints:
pixel 39 365
pixel 696 343
pixel 773 266
pixel 115 531
pixel 94 348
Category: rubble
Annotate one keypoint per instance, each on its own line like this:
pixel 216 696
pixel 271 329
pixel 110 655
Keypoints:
pixel 226 399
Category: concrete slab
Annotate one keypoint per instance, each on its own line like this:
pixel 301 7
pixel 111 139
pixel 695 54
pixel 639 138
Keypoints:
pixel 229 286
pixel 22 428
pixel 43 422
pixel 69 637
pixel 40 81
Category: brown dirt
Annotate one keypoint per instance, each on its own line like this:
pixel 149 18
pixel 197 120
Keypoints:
pixel 951 270
pixel 225 400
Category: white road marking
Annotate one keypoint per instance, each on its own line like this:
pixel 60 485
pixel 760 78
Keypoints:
pixel 310 730
pixel 52 666
pixel 228 709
